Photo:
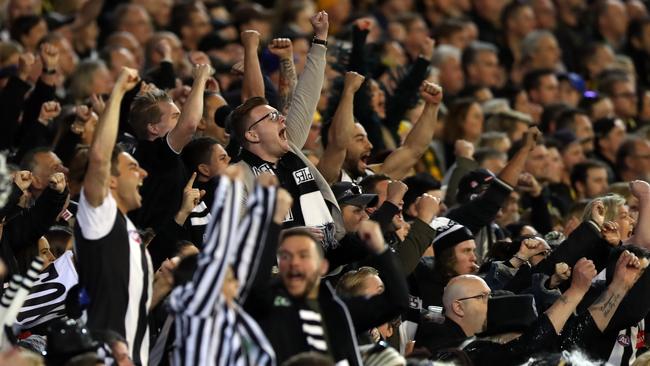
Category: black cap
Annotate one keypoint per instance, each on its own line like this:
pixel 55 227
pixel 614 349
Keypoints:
pixel 348 193
pixel 510 313
pixel 66 339
pixel 473 183
pixel 449 233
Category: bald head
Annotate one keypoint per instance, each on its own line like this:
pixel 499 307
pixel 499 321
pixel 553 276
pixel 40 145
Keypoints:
pixel 465 302
pixel 463 286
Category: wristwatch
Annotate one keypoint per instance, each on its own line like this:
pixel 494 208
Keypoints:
pixel 319 41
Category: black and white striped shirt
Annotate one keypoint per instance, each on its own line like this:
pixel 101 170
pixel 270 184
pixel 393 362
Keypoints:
pixel 115 270
pixel 208 331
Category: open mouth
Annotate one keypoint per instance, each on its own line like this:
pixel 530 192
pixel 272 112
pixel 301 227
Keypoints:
pixel 294 276
pixel 283 134
pixel 364 159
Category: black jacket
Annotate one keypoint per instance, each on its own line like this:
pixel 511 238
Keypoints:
pixel 277 312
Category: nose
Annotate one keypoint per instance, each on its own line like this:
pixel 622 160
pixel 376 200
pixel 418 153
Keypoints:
pixel 143 173
pixel 63 169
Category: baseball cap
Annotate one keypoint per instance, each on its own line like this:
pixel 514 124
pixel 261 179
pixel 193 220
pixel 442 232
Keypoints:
pixel 348 193
pixel 473 183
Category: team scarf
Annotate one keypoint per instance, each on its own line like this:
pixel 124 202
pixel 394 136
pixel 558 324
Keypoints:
pixel 309 206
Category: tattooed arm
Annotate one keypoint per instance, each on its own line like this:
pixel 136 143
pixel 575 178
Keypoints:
pixel 583 273
pixel 628 270
pixel 283 48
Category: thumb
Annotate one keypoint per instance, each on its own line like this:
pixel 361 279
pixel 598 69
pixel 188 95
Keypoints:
pixel 201 193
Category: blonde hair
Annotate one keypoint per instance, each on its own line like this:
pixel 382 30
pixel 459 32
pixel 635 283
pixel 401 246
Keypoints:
pixel 352 283
pixel 611 202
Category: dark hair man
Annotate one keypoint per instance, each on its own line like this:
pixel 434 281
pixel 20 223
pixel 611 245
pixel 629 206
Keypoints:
pixel 272 143
pixel 302 313
pixel 114 265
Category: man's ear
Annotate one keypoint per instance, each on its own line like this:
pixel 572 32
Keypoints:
pixel 202 125
pixel 251 136
pixel 152 129
pixel 457 308
pixel 204 170
pixel 324 266
pixel 112 182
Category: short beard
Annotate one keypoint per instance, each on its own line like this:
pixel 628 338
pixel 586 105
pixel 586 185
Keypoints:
pixel 352 168
pixel 310 283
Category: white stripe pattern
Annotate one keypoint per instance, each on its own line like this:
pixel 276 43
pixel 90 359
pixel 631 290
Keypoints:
pixel 208 331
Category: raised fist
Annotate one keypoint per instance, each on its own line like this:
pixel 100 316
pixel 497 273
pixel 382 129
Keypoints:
pixel 57 182
pixel 49 111
pixel 353 81
pixel 50 55
pixel 464 149
pixel 431 93
pixel 250 38
pixel 281 47
pixel 127 80
pixel 320 22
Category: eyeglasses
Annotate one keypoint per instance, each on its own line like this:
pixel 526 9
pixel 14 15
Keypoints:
pixel 273 116
pixel 482 296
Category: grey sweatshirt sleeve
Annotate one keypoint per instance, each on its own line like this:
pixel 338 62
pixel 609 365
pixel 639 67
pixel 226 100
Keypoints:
pixel 306 96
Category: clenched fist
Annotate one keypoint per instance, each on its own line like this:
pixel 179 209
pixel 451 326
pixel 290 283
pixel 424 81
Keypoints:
pixel 431 93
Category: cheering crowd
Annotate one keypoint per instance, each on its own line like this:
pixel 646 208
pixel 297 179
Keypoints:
pixel 320 182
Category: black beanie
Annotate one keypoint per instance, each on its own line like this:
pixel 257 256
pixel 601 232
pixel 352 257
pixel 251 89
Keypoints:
pixel 450 235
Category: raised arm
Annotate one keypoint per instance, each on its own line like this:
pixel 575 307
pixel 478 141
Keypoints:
pixel 399 163
pixel 255 231
pixel 374 311
pixel 192 111
pixel 283 48
pixel 253 85
pixel 341 131
pixel 510 173
pixel 583 273
pixel 628 270
pixel 95 182
pixel 305 97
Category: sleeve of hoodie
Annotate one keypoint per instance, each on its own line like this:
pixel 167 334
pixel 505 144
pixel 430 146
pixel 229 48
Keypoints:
pixel 482 210
pixel 305 97
pixel 367 313
pixel 163 76
pixel 358 54
pixel 26 229
pixel 384 215
pixel 584 241
pixel 460 168
pixel 406 91
pixel 12 101
pixel 42 93
pixel 259 298
pixel 540 217
pixel 416 242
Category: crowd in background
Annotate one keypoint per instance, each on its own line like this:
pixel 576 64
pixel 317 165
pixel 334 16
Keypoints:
pixel 319 182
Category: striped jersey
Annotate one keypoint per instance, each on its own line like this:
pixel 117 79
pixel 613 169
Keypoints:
pixel 208 330
pixel 115 270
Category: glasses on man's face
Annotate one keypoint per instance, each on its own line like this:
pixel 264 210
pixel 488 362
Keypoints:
pixel 483 296
pixel 272 116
